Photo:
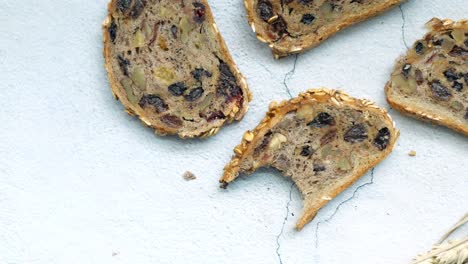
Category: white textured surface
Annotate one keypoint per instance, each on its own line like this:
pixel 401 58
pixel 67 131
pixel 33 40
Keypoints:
pixel 82 182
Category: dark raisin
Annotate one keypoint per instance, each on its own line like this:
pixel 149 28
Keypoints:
pixel 155 101
pixel 437 42
pixel 174 30
pixel 382 138
pixel 155 33
pixel 319 167
pixel 419 76
pixel 280 26
pixel 227 84
pixel 439 91
pixel 304 2
pixel 171 120
pixel 177 89
pixel 328 137
pixel 264 9
pixel 321 120
pixel 226 71
pixel 137 8
pixel 199 12
pixel 306 151
pixel 266 140
pixel 458 51
pixel 307 19
pixel 124 5
pixel 457 86
pixel 123 64
pixel 356 133
pixel 419 48
pixel 199 73
pixel 406 70
pixel 466 42
pixel 194 94
pixel 466 114
pixel 465 77
pixel 215 116
pixel 112 31
pixel 451 75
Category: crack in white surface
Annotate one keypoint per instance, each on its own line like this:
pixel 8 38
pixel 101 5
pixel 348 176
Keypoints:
pixel 339 206
pixel 267 70
pixel 403 25
pixel 289 75
pixel 278 245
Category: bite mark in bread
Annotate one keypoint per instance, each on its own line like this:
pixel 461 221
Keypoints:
pixel 324 140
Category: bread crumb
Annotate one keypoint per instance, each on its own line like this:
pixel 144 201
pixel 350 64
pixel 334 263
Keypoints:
pixel 189 176
pixel 412 153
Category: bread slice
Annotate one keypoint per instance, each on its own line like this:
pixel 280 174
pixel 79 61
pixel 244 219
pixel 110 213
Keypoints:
pixel 431 81
pixel 324 140
pixel 292 26
pixel 168 64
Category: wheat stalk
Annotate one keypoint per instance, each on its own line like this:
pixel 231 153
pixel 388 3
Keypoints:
pixel 453 252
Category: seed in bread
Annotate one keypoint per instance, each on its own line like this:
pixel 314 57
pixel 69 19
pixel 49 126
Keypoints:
pixel 168 64
pixel 431 81
pixel 292 26
pixel 324 140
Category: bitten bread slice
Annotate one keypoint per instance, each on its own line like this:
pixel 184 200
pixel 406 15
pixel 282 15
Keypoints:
pixel 431 81
pixel 292 26
pixel 168 64
pixel 324 140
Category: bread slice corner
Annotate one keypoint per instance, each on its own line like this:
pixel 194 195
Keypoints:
pixel 291 27
pixel 430 82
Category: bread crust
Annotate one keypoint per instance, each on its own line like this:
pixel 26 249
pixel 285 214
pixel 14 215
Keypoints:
pixel 288 48
pixel 276 113
pixel 236 114
pixel 421 113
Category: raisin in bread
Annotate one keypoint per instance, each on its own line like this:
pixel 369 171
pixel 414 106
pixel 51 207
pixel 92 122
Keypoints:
pixel 292 26
pixel 431 81
pixel 324 140
pixel 168 64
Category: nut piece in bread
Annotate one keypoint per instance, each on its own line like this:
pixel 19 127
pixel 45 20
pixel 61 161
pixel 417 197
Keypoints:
pixel 431 81
pixel 168 64
pixel 293 26
pixel 324 140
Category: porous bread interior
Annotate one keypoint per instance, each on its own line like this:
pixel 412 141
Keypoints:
pixel 168 55
pixel 329 18
pixel 417 99
pixel 260 147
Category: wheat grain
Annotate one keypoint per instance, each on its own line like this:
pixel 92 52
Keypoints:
pixel 453 252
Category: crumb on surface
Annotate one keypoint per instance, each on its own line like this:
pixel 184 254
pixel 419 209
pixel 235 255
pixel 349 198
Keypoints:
pixel 189 176
pixel 412 153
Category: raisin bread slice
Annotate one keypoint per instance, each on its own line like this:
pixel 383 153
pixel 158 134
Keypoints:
pixel 324 140
pixel 431 81
pixel 292 26
pixel 168 64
